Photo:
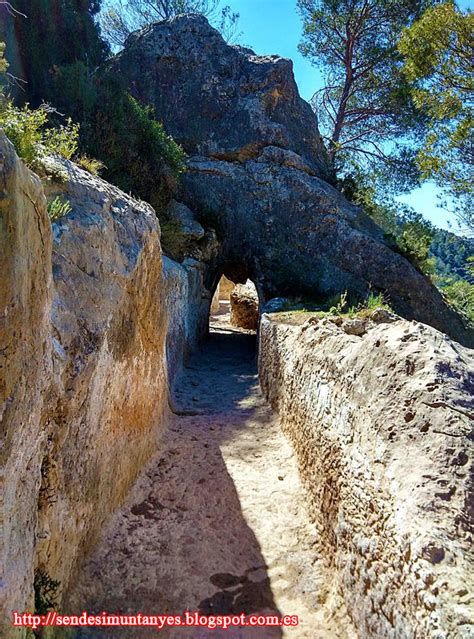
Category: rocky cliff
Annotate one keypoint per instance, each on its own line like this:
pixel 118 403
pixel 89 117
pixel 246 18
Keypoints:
pixel 87 359
pixel 381 423
pixel 258 173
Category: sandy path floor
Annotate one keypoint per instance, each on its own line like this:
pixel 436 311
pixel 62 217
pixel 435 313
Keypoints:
pixel 216 523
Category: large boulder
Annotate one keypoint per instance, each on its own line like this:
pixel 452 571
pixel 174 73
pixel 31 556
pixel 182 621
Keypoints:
pixel 297 235
pixel 258 174
pixel 244 307
pixel 219 100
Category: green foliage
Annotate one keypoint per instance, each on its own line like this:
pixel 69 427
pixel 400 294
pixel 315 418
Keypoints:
pixel 366 99
pixel 46 591
pixel 91 165
pixel 30 132
pixel 174 242
pixel 3 62
pixel 460 294
pixel 376 301
pixel 453 255
pixel 363 309
pixel 340 305
pixel 129 145
pixel 337 305
pixel 136 153
pixel 58 208
pixel 438 51
pixel 414 239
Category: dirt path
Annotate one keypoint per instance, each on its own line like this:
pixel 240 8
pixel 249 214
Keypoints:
pixel 216 523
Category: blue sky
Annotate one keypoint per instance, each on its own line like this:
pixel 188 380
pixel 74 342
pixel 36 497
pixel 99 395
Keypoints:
pixel 274 26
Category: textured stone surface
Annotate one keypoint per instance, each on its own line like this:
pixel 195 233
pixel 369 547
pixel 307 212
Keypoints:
pixel 84 364
pixel 187 304
pixel 190 228
pixel 381 426
pixel 244 306
pixel 110 393
pixel 219 100
pixel 25 372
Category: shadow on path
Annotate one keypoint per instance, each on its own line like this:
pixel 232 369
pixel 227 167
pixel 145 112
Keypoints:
pixel 182 541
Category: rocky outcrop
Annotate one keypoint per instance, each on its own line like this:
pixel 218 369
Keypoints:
pixel 25 372
pixel 93 331
pixel 258 174
pixel 244 307
pixel 381 426
pixel 219 100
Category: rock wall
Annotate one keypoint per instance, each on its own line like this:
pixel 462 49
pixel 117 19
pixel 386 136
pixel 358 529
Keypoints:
pixel 109 395
pixel 85 395
pixel 381 425
pixel 25 371
pixel 187 303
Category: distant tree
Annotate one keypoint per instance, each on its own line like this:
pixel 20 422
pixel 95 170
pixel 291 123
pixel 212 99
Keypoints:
pixel 454 255
pixel 54 34
pixel 438 51
pixel 366 100
pixel 119 18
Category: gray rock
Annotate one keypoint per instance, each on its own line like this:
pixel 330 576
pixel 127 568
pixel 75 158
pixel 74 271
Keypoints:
pixel 381 426
pixel 216 99
pixel 244 307
pixel 298 236
pixel 275 305
pixel 354 326
pixel 382 316
pixel 189 226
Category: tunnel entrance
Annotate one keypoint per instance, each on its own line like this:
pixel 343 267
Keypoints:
pixel 235 304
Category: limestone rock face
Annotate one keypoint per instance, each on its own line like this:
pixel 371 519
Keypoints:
pixel 219 100
pixel 25 372
pixel 244 307
pixel 381 426
pixel 258 174
pixel 187 305
pixel 93 330
pixel 110 384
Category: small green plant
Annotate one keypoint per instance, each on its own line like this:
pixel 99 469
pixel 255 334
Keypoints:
pixel 374 301
pixel 32 136
pixel 338 309
pixel 46 592
pixel 91 165
pixel 58 208
pixel 364 309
